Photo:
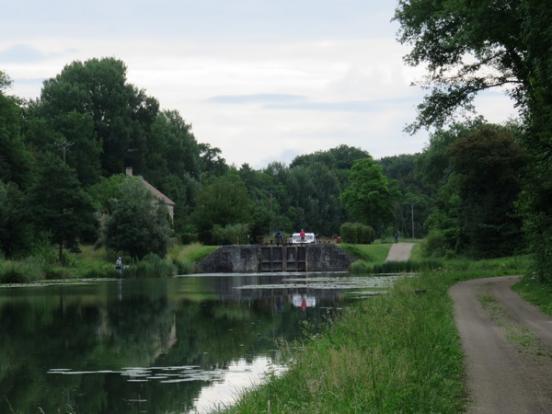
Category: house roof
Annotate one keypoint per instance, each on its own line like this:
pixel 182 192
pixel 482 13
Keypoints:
pixel 158 194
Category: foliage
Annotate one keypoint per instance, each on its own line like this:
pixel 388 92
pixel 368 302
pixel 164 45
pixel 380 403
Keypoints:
pixel 231 234
pixel 185 257
pixel 151 266
pixel 484 48
pixel 480 167
pixel 223 200
pixel 357 233
pixel 138 225
pixel 116 115
pixel 412 198
pixel 15 159
pixel 15 224
pixel 367 197
pixel 19 272
pixel 487 45
pixel 58 204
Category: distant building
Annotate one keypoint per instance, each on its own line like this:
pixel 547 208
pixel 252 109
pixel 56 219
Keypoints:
pixel 157 195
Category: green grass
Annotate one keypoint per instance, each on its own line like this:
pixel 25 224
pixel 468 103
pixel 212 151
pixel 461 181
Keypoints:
pixel 185 257
pixel 398 352
pixel 372 253
pixel 535 292
pixel 417 253
pixel 97 263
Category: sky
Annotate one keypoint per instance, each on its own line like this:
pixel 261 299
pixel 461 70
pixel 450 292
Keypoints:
pixel 263 80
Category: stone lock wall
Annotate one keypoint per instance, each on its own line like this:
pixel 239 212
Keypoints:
pixel 270 258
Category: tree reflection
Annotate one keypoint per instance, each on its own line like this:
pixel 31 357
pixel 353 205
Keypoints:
pixel 204 323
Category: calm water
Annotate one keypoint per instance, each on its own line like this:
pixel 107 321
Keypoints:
pixel 153 346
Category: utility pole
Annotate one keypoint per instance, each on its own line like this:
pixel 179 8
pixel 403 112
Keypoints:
pixel 412 217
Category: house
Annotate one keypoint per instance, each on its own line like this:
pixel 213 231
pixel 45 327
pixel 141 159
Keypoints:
pixel 157 195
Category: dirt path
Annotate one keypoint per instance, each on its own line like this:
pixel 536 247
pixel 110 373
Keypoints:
pixel 399 252
pixel 507 344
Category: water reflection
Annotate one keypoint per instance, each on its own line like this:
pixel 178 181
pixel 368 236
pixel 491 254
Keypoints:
pixel 153 346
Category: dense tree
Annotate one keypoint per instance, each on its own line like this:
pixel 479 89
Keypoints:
pixel 367 197
pixel 92 102
pixel 474 209
pixel 15 225
pixel 412 199
pixel 59 206
pixel 222 200
pixel 489 162
pixel 15 160
pixel 339 159
pixel 469 47
pixel 138 224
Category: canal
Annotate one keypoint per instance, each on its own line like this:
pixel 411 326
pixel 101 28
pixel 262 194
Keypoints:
pixel 181 345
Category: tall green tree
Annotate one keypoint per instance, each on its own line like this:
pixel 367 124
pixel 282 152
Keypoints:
pixel 469 47
pixel 479 167
pixel 93 108
pixel 138 225
pixel 59 206
pixel 15 159
pixel 221 201
pixel 367 197
pixel 15 224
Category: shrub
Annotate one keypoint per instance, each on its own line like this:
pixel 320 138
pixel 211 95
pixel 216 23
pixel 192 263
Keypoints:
pixel 231 233
pixel 183 267
pixel 435 244
pixel 357 233
pixel 19 272
pixel 56 272
pixel 138 225
pixel 151 266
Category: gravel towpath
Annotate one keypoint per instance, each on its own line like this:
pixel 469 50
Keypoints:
pixel 507 344
pixel 399 252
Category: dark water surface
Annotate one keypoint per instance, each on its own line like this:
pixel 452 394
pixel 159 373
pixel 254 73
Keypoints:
pixel 151 346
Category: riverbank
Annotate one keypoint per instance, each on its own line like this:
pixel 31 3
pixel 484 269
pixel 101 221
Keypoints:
pixel 98 263
pixel 397 352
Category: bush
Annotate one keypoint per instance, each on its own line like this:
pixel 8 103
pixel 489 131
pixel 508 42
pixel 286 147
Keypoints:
pixel 56 272
pixel 183 267
pixel 19 272
pixel 138 225
pixel 435 244
pixel 188 234
pixel 231 234
pixel 357 233
pixel 151 266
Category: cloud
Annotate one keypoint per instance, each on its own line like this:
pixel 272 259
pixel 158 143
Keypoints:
pixel 21 53
pixel 302 103
pixel 26 54
pixel 259 98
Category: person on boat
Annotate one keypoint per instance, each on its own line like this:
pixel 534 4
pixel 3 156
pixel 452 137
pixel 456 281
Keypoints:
pixel 302 235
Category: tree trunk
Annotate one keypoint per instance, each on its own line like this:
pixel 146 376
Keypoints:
pixel 61 252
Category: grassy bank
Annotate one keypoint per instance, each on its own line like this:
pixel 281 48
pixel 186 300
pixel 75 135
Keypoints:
pixel 368 255
pixel 98 263
pixel 395 353
pixel 535 292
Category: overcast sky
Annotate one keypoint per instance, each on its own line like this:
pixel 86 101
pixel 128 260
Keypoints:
pixel 264 80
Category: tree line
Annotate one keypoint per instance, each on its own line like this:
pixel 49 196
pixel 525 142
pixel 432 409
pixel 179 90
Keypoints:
pixel 63 157
pixel 62 179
